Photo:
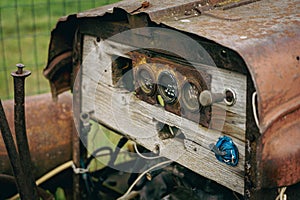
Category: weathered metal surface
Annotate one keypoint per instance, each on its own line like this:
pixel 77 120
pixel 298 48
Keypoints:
pixel 77 148
pixel 280 149
pixel 13 155
pixel 49 129
pixel 264 33
pixel 59 67
pixel 60 57
pixel 265 29
pixel 20 130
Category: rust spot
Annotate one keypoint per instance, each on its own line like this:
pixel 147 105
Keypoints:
pixel 280 164
pixel 49 129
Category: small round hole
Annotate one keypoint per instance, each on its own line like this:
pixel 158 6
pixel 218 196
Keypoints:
pixel 298 58
pixel 98 39
pixel 230 97
pixel 84 116
pixel 157 147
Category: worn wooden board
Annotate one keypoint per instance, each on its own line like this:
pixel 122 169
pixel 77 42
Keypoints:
pixel 120 109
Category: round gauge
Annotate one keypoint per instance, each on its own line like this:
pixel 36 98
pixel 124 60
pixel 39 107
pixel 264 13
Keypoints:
pixel 167 87
pixel 190 94
pixel 145 79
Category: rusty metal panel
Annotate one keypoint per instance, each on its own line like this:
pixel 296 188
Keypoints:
pixel 264 33
pixel 280 149
pixel 49 129
pixel 61 44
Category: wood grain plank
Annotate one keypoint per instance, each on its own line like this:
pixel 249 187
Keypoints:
pixel 122 110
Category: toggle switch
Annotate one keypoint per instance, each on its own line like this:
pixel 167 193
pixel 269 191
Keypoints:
pixel 207 98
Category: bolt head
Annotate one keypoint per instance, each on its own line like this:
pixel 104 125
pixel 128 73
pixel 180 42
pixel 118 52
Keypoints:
pixel 20 72
pixel 20 65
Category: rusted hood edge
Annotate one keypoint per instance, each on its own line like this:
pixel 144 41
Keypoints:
pixel 260 55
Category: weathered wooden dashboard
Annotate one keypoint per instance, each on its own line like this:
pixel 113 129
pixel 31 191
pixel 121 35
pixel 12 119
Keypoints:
pixel 154 99
pixel 177 102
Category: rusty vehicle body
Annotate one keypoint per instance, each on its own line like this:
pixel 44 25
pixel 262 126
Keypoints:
pixel 49 128
pixel 263 36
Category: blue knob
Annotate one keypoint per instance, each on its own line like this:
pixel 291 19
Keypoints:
pixel 226 151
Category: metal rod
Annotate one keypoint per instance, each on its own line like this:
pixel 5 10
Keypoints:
pixel 76 153
pixel 20 129
pixel 13 155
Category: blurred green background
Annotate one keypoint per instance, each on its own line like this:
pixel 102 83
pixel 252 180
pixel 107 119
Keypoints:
pixel 25 28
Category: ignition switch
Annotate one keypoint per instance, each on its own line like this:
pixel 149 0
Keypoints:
pixel 207 98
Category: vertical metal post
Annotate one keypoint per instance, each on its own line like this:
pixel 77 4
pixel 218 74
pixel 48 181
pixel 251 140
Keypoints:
pixel 77 146
pixel 13 155
pixel 76 161
pixel 20 129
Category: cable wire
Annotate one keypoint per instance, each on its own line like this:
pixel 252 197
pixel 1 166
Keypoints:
pixel 254 109
pixel 281 195
pixel 96 154
pixel 114 156
pixel 140 176
pixel 142 156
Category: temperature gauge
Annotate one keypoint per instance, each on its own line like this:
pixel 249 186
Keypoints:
pixel 145 79
pixel 190 95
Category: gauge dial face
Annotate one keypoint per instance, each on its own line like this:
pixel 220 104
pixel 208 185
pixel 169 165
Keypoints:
pixel 190 94
pixel 168 87
pixel 146 81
